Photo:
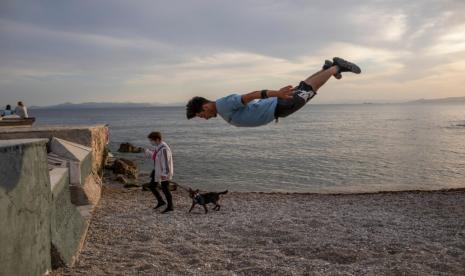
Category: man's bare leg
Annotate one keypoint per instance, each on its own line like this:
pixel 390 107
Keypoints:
pixel 328 64
pixel 316 74
pixel 321 77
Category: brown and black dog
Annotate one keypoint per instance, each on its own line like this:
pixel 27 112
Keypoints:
pixel 204 199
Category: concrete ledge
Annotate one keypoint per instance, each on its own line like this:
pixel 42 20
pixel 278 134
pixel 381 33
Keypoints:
pixel 6 145
pixel 67 224
pixel 58 178
pixel 93 136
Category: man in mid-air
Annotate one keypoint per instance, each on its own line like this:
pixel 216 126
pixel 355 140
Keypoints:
pixel 262 107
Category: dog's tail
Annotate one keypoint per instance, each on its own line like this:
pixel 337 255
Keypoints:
pixel 222 193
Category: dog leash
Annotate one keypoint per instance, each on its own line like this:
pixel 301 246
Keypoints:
pixel 180 186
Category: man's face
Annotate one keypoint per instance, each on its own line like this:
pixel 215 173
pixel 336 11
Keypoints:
pixel 207 112
pixel 155 142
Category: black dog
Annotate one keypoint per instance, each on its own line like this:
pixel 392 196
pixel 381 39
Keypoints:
pixel 204 199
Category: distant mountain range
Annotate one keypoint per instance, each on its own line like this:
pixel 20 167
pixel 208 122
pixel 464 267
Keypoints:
pixel 441 100
pixel 89 105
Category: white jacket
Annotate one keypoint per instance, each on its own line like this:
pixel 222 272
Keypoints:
pixel 163 161
pixel 21 111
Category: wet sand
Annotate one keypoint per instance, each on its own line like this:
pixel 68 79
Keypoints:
pixel 395 233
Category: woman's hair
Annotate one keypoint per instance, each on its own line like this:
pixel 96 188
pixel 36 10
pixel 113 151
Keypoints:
pixel 20 103
pixel 154 135
pixel 194 106
pixel 8 107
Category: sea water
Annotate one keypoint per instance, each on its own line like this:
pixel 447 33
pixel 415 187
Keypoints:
pixel 322 148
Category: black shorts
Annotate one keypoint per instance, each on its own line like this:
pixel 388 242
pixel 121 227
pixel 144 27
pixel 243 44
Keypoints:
pixel 302 95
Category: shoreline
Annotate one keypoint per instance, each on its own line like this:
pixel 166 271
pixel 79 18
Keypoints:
pixel 144 175
pixel 359 193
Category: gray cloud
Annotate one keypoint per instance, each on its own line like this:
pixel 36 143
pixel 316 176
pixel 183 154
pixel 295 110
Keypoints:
pixel 55 51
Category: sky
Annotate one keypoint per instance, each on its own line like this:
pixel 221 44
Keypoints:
pixel 168 51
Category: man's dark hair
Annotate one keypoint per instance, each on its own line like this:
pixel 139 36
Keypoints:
pixel 8 107
pixel 194 106
pixel 154 135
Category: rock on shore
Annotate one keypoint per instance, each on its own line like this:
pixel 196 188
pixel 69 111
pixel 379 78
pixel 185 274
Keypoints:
pixel 129 148
pixel 125 167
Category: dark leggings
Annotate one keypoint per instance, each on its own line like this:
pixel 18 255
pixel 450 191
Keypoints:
pixel 302 95
pixel 164 187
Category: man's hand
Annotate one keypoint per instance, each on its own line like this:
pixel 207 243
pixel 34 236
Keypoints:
pixel 163 178
pixel 148 152
pixel 285 93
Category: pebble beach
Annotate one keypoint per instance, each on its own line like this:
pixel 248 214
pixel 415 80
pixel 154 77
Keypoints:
pixel 389 233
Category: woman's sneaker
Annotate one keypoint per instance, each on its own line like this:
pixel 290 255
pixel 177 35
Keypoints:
pixel 327 65
pixel 346 66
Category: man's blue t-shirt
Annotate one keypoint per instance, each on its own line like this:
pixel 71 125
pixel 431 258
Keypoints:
pixel 255 113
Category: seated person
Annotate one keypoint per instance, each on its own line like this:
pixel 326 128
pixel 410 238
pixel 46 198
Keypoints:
pixel 7 111
pixel 21 110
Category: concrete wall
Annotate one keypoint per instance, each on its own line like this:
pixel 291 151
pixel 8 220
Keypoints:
pixel 94 137
pixel 42 225
pixel 25 206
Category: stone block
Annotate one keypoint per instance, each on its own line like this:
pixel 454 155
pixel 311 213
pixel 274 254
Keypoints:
pixel 79 159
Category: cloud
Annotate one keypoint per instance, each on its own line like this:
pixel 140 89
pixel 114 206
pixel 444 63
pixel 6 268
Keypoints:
pixel 121 50
pixel 453 41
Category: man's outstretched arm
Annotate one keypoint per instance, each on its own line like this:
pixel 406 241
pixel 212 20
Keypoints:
pixel 283 93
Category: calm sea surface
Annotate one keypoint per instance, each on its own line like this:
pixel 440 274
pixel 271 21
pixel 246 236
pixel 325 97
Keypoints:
pixel 322 148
